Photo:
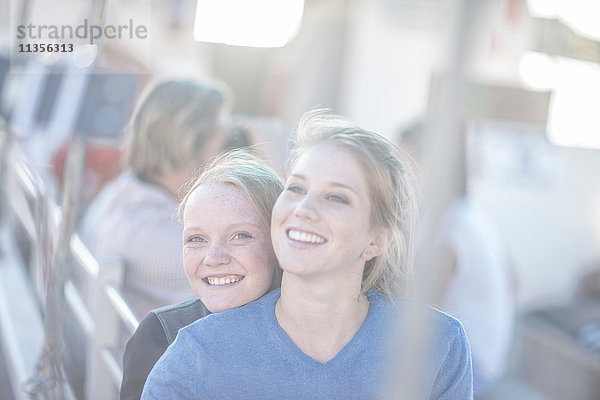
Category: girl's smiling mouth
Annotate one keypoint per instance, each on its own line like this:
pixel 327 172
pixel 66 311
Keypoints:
pixel 222 280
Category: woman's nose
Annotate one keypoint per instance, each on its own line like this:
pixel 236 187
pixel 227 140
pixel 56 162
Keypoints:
pixel 306 208
pixel 217 255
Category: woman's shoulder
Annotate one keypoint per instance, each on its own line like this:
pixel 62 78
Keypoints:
pixel 404 308
pixel 447 326
pixel 252 316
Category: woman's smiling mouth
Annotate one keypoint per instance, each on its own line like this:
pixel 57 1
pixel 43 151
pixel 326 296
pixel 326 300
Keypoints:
pixel 305 237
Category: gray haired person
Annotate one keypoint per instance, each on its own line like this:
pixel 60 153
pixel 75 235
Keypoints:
pixel 178 125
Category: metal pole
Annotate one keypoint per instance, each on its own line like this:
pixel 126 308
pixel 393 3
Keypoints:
pixel 4 153
pixel 48 381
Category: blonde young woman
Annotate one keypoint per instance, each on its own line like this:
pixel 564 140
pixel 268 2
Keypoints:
pixel 227 256
pixel 342 232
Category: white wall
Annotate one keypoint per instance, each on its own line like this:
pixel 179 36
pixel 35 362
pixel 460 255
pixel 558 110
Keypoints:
pixel 549 214
pixel 389 64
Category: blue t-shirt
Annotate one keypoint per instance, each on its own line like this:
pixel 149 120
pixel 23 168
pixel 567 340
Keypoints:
pixel 244 354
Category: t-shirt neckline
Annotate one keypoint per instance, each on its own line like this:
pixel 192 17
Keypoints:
pixel 296 352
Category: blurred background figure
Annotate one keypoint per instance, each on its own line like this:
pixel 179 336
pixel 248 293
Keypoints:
pixel 178 125
pixel 473 273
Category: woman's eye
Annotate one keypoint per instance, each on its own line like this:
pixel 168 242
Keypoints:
pixel 337 199
pixel 295 189
pixel 196 239
pixel 242 235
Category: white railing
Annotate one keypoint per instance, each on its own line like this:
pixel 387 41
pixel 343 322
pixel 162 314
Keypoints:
pixel 103 324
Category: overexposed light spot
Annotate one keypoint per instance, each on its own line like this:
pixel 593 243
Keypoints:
pixel 574 119
pixel 256 23
pixel 543 8
pixel 537 70
pixel 580 15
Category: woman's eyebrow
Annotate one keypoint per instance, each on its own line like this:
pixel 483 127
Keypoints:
pixel 331 183
pixel 297 176
pixel 341 185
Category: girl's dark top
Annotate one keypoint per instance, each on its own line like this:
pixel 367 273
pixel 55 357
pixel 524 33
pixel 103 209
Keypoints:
pixel 155 333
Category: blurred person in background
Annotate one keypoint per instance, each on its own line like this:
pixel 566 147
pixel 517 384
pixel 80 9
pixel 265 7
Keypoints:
pixel 178 125
pixel 227 256
pixel 473 271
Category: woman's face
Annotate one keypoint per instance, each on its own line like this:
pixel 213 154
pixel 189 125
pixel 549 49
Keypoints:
pixel 227 254
pixel 321 222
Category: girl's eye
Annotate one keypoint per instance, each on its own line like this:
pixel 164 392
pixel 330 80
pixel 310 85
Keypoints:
pixel 242 235
pixel 337 199
pixel 196 239
pixel 295 189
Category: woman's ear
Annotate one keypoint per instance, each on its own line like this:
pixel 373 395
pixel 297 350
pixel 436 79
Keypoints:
pixel 379 244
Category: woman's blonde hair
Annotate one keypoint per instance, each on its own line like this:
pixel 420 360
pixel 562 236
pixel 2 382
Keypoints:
pixel 393 197
pixel 172 124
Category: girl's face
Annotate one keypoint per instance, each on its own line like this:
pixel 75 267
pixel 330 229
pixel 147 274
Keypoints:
pixel 321 222
pixel 227 253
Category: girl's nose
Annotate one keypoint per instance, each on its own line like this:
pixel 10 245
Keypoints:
pixel 217 255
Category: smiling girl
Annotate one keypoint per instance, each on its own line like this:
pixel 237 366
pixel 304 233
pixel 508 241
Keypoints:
pixel 227 256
